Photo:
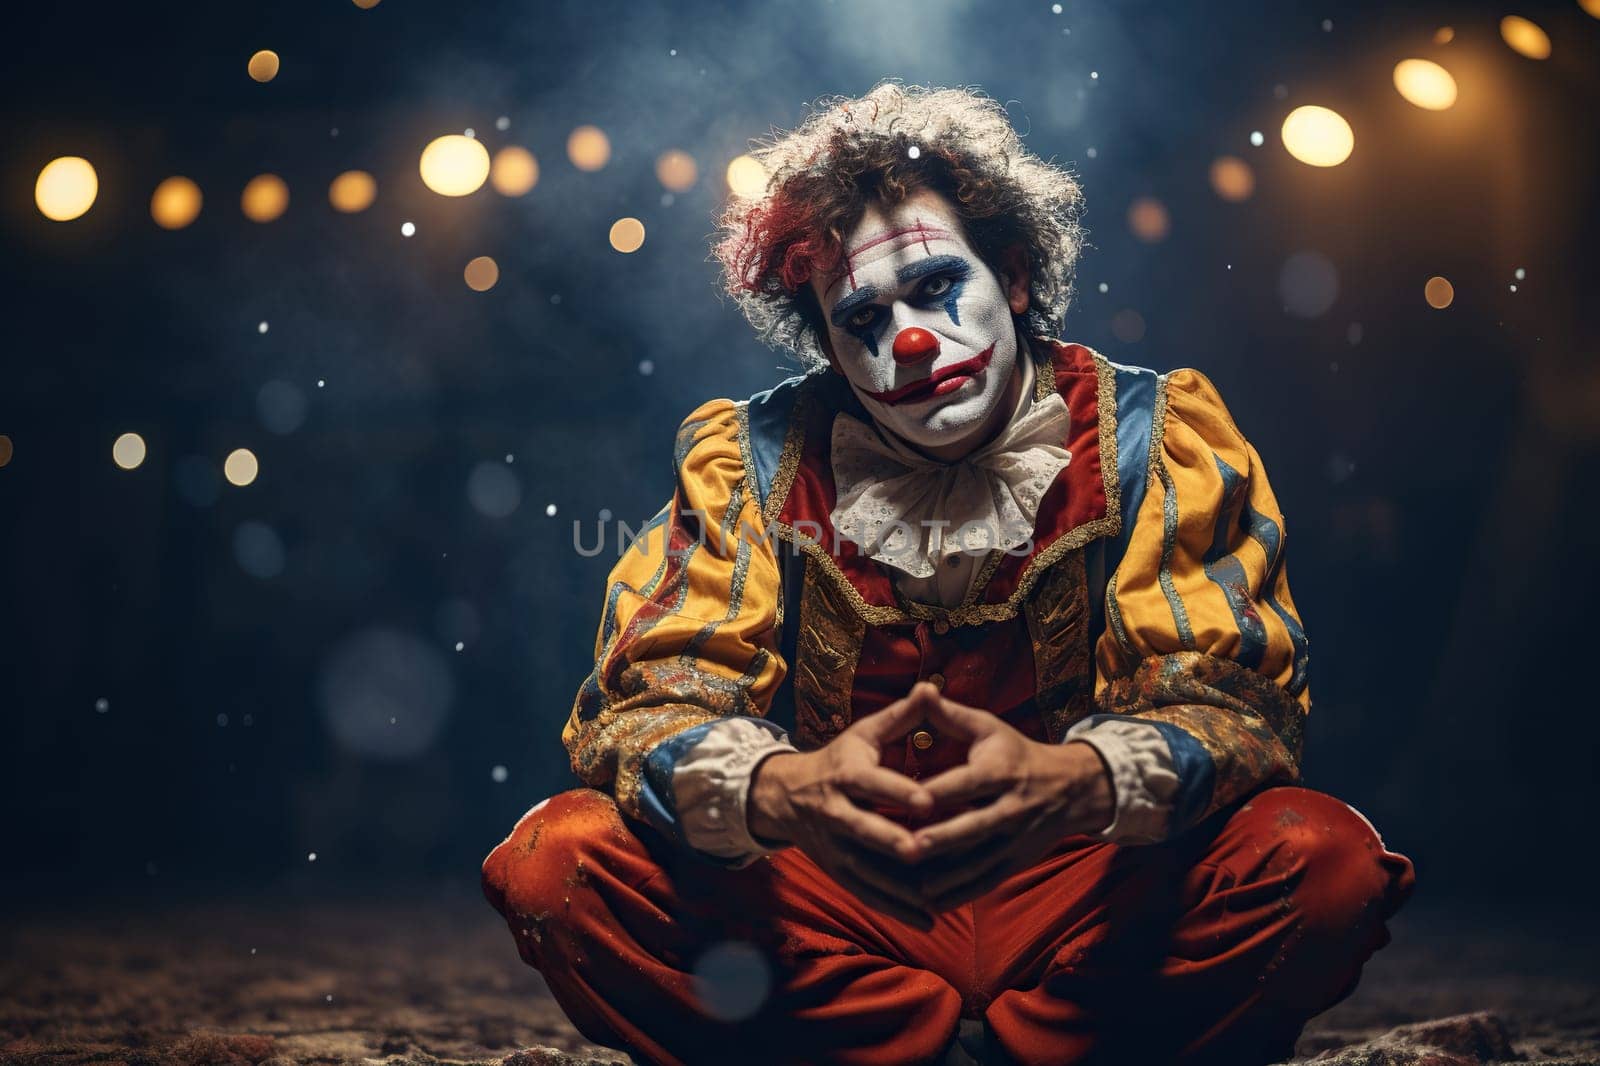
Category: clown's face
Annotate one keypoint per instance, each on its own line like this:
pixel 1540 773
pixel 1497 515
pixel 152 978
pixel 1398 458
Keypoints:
pixel 921 327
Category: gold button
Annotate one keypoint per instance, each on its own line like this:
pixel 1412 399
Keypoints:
pixel 937 681
pixel 922 739
pixel 941 625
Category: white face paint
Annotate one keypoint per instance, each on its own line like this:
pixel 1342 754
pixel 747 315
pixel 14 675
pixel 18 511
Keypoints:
pixel 910 267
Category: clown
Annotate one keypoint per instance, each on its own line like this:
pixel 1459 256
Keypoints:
pixel 958 690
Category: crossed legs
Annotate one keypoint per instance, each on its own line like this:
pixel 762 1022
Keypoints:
pixel 1217 946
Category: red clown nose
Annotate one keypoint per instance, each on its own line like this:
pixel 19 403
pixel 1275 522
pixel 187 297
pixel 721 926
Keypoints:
pixel 914 345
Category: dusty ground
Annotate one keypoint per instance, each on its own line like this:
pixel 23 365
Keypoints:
pixel 436 979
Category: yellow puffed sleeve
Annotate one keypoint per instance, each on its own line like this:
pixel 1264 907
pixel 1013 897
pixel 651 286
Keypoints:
pixel 1201 633
pixel 688 633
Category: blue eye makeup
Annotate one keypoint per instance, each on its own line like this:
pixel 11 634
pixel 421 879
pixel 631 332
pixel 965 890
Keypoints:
pixel 953 270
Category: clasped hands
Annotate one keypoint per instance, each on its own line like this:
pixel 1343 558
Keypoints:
pixel 1031 794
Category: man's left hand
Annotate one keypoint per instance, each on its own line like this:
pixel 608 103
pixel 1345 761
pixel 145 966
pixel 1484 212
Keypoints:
pixel 1040 794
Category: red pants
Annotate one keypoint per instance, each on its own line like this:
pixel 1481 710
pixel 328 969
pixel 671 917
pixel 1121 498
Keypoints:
pixel 1216 947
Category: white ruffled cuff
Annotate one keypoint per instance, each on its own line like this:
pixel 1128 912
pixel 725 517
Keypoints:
pixel 1142 775
pixel 711 784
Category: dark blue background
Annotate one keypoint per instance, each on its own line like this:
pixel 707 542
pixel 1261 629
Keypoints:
pixel 1437 473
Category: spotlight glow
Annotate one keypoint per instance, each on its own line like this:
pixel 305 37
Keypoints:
pixel 454 165
pixel 515 171
pixel 1425 84
pixel 1317 136
pixel 627 234
pixel 1525 37
pixel 128 451
pixel 588 147
pixel 352 191
pixel 265 198
pixel 263 66
pixel 175 203
pixel 240 467
pixel 66 188
pixel 747 178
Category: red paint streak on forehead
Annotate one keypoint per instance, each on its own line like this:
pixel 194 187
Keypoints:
pixel 921 230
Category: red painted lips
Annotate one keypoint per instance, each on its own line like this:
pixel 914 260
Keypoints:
pixel 943 380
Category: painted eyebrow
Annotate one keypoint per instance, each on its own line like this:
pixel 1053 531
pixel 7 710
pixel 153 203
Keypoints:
pixel 843 309
pixel 933 264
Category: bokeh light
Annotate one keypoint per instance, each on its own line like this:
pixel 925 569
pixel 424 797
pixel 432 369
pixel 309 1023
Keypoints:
pixel 676 170
pixel 1591 6
pixel 1148 219
pixel 494 490
pixel 265 198
pixel 454 165
pixel 1318 136
pixel 240 467
pixel 128 451
pixel 6 449
pixel 352 191
pixel 732 980
pixel 263 66
pixel 1127 326
pixel 281 406
pixel 1444 35
pixel 66 188
pixel 588 147
pixel 385 694
pixel 1525 37
pixel 1425 84
pixel 1232 178
pixel 482 273
pixel 365 5
pixel 747 178
pixel 258 549
pixel 515 171
pixel 1308 284
pixel 627 234
pixel 1439 293
pixel 175 203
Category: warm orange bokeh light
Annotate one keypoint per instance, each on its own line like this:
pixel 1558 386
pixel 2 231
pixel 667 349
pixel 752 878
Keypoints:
pixel 352 191
pixel 1318 136
pixel 1232 178
pixel 627 234
pixel 1439 293
pixel 265 198
pixel 589 148
pixel 263 66
pixel 676 170
pixel 1425 84
pixel 1525 37
pixel 66 188
pixel 1148 219
pixel 481 274
pixel 175 203
pixel 515 171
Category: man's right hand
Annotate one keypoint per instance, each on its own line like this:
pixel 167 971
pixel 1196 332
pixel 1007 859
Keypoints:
pixel 808 799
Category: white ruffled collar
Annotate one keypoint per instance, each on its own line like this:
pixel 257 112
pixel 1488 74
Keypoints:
pixel 911 512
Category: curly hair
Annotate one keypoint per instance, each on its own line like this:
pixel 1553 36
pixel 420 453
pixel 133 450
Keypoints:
pixel 885 145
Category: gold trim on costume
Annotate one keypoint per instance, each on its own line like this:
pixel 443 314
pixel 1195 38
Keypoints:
pixel 1058 628
pixel 827 651
pixel 967 613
